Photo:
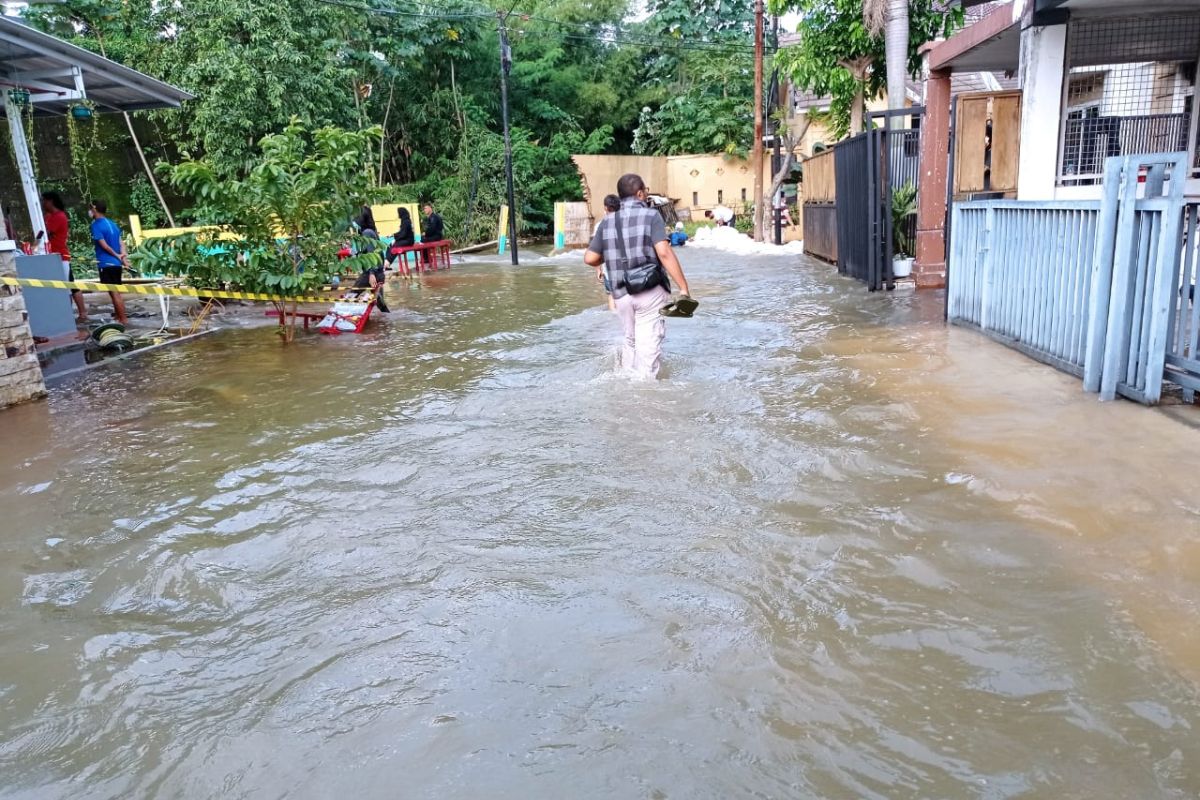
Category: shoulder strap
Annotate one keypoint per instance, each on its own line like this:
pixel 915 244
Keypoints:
pixel 617 220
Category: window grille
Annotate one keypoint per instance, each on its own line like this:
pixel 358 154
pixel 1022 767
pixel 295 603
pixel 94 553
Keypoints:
pixel 720 195
pixel 1130 90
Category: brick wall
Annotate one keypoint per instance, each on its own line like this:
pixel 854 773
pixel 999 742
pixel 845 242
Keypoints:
pixel 20 373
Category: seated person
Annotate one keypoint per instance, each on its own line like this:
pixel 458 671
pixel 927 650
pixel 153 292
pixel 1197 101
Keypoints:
pixel 678 237
pixel 433 230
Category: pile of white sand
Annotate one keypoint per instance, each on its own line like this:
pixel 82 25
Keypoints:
pixel 730 241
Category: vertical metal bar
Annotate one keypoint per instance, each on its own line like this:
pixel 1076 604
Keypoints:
pixel 1115 349
pixel 1165 277
pixel 1179 319
pixel 985 287
pixel 1133 341
pixel 1193 291
pixel 1102 276
pixel 1062 306
pixel 1091 247
pixel 1141 349
pixel 950 218
pixel 950 306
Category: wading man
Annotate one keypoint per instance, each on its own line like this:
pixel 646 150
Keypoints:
pixel 632 245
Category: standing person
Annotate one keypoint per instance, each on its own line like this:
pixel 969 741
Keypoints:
pixel 634 237
pixel 432 229
pixel 58 227
pixel 110 253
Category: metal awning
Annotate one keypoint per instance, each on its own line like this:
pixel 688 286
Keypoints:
pixel 58 74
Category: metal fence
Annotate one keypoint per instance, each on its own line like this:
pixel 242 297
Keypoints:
pixel 1183 342
pixel 1022 274
pixel 821 230
pixel 857 205
pixel 1089 141
pixel 1104 290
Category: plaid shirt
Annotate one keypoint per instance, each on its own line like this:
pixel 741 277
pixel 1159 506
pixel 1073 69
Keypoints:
pixel 643 227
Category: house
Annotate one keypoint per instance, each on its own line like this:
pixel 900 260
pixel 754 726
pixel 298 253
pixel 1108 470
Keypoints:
pixel 1074 224
pixel 1096 78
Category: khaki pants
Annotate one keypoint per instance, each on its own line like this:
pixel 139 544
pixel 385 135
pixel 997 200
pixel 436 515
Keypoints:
pixel 644 330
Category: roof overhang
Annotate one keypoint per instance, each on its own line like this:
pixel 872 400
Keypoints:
pixel 58 74
pixel 1106 8
pixel 993 44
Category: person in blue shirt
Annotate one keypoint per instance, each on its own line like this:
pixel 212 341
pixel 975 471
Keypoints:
pixel 678 237
pixel 110 253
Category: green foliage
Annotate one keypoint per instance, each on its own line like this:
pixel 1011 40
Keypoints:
pixel 712 113
pixel 289 214
pixel 835 44
pixel 579 82
pixel 145 202
pixel 543 173
pixel 743 219
pixel 703 98
pixel 904 205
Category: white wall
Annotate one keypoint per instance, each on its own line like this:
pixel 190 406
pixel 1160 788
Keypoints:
pixel 1043 56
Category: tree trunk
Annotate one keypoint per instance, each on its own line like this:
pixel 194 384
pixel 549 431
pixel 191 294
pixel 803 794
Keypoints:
pixel 896 48
pixel 788 149
pixel 387 112
pixel 856 112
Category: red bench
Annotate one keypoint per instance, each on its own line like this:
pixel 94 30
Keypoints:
pixel 430 255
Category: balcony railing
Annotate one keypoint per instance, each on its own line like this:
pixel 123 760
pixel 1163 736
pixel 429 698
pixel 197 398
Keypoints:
pixel 1090 140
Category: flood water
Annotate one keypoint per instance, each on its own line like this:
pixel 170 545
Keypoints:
pixel 841 551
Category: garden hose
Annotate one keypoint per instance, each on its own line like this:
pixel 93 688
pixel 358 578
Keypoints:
pixel 112 337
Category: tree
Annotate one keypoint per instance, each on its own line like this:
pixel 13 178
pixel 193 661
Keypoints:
pixel 837 55
pixel 702 79
pixel 712 110
pixel 288 216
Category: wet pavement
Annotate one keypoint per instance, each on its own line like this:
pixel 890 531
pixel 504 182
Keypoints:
pixel 841 551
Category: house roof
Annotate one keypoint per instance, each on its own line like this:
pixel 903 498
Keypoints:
pixel 991 44
pixel 58 74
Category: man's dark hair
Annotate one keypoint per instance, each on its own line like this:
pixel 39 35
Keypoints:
pixel 612 203
pixel 55 199
pixel 630 185
pixel 100 206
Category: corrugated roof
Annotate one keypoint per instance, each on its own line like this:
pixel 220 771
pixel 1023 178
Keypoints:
pixel 49 68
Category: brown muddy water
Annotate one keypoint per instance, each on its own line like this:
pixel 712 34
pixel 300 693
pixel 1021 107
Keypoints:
pixel 841 552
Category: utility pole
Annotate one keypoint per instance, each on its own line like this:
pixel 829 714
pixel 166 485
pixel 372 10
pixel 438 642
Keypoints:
pixel 505 68
pixel 757 153
pixel 777 159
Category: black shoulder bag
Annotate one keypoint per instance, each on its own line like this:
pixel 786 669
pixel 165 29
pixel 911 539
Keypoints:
pixel 643 277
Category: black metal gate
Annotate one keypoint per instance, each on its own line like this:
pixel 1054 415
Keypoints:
pixel 869 167
pixel 852 159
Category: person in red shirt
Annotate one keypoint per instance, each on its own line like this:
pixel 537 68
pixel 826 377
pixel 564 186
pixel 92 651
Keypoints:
pixel 57 228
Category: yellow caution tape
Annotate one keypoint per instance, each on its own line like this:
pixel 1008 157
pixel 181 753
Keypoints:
pixel 170 291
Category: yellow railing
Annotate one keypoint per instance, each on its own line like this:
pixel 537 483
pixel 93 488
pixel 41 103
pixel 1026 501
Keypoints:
pixel 387 219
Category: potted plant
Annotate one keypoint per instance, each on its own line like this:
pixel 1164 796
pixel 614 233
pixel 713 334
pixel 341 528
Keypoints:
pixel 904 205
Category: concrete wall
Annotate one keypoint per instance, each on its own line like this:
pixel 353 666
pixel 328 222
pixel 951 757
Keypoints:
pixel 20 373
pixel 700 182
pixel 600 175
pixel 695 182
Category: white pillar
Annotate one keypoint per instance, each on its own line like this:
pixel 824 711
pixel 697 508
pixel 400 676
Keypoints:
pixel 33 198
pixel 1043 60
